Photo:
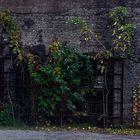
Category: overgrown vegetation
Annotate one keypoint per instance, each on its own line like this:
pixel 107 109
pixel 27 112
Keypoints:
pixel 13 41
pixel 122 31
pixel 64 79
pixel 6 115
pixel 65 76
pixel 122 34
pixel 121 47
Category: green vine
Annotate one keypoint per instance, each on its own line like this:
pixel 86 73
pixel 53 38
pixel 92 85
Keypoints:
pixel 11 28
pixel 122 32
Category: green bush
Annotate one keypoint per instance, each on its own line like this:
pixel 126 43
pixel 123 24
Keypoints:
pixel 6 118
pixel 62 80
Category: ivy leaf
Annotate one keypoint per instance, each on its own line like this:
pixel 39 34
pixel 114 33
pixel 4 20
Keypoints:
pixel 70 106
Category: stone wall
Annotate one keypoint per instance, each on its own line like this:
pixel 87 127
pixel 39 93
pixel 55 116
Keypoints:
pixel 50 17
pixel 47 18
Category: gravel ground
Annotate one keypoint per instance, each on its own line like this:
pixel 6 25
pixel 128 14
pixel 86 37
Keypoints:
pixel 60 135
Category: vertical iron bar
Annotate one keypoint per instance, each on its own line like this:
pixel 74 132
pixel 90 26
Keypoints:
pixel 122 77
pixel 1 79
pixel 104 102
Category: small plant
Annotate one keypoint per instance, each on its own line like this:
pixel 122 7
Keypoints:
pixel 6 118
pixel 119 14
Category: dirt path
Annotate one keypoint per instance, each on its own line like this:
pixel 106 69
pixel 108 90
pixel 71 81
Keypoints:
pixel 59 135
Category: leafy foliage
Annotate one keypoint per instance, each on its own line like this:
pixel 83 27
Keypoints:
pixel 82 24
pixel 119 14
pixel 61 78
pixel 6 118
pixel 65 76
pixel 122 35
pixel 11 28
pixel 122 31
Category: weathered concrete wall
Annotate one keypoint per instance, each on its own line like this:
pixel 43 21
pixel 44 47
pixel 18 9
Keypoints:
pixel 132 70
pixel 47 18
pixel 50 17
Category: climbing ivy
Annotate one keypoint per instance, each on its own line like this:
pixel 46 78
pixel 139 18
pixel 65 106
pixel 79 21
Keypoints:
pixel 11 28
